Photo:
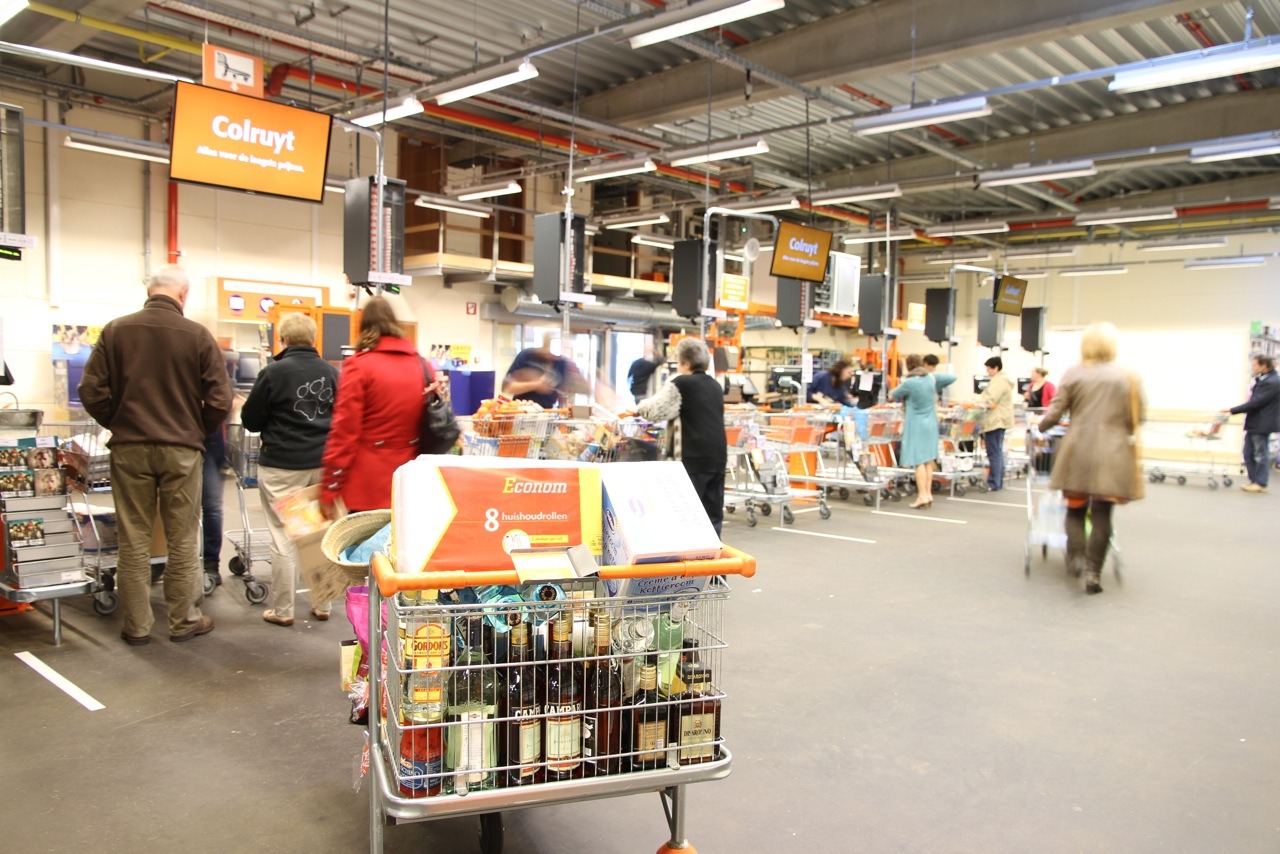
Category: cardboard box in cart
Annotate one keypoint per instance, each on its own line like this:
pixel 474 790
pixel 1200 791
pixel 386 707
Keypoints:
pixel 653 515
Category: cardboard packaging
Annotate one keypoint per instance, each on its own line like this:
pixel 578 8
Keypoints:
pixel 653 515
pixel 470 513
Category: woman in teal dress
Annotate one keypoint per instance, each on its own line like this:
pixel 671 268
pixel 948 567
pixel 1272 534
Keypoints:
pixel 919 393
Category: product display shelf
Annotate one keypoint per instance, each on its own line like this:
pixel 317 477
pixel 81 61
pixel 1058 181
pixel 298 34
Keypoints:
pixel 53 593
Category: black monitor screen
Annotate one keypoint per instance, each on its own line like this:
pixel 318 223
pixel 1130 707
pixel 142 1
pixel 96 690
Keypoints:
pixel 247 369
pixel 980 383
pixel 1024 383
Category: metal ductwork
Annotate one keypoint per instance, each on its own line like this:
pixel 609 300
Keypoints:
pixel 518 307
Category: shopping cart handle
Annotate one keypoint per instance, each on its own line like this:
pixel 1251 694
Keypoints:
pixel 731 562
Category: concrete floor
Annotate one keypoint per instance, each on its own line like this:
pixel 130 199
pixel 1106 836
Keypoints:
pixel 912 695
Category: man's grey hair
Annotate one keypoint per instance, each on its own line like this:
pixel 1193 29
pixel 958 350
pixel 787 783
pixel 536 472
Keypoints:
pixel 173 277
pixel 692 352
pixel 298 329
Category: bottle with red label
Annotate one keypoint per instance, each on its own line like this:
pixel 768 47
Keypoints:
pixel 421 754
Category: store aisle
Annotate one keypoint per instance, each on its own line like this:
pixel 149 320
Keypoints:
pixel 914 693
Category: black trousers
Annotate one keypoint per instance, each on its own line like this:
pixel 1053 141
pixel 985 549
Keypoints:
pixel 710 489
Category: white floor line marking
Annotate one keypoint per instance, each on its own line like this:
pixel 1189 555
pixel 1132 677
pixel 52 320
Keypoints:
pixel 922 516
pixel 807 510
pixel 826 536
pixel 66 685
pixel 992 503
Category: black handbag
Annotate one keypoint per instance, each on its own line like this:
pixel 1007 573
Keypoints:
pixel 438 430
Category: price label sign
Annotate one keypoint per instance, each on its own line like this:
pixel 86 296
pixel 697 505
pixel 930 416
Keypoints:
pixel 735 291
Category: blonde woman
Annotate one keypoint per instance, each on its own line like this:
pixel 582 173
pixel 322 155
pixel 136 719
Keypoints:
pixel 1095 467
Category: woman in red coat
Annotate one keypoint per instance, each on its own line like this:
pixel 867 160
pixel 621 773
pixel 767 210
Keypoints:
pixel 377 415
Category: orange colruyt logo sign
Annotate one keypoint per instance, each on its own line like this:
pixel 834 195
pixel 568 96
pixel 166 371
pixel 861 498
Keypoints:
pixel 242 143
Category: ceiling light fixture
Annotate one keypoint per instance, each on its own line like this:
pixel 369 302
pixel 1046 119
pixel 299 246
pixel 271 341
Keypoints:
pixel 693 18
pixel 892 234
pixel 1225 262
pixel 10 8
pixel 333 185
pixel 1235 150
pixel 82 61
pixel 1183 243
pixel 848 195
pixel 1039 252
pixel 921 278
pixel 1115 217
pixel 1031 274
pixel 634 219
pixel 448 205
pixel 396 110
pixel 657 241
pixel 1029 174
pixel 1095 270
pixel 485 191
pixel 908 116
pixel 135 149
pixel 961 228
pixel 958 258
pixel 723 150
pixel 765 204
pixel 616 169
pixel 1194 66
pixel 484 80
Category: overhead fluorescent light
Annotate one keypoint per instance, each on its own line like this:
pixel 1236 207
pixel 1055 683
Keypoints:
pixel 616 169
pixel 400 109
pixel 448 205
pixel 693 18
pixel 848 195
pixel 137 150
pixel 658 241
pixel 921 278
pixel 958 258
pixel 485 191
pixel 1040 252
pixel 82 61
pixel 962 228
pixel 1228 261
pixel 1095 270
pixel 334 186
pixel 1115 217
pixel 634 219
pixel 1193 66
pixel 723 150
pixel 1182 243
pixel 10 8
pixel 903 233
pixel 1031 274
pixel 1234 150
pixel 908 116
pixel 730 256
pixel 765 204
pixel 1029 174
pixel 484 80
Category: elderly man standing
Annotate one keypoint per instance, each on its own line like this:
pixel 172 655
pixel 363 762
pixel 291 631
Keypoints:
pixel 291 405
pixel 158 382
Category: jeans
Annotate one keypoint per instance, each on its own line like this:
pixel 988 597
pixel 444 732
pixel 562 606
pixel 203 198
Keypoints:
pixel 994 442
pixel 211 505
pixel 1257 457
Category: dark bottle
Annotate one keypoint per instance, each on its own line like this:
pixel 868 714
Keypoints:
pixel 602 724
pixel 522 737
pixel 648 723
pixel 695 723
pixel 562 702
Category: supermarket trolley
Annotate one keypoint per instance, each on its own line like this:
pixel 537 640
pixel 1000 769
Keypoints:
pixel 517 434
pixel 884 432
pixel 426 762
pixel 603 440
pixel 1202 439
pixel 1046 507
pixel 82 449
pixel 250 544
pixel 958 446
pixel 844 466
pixel 756 477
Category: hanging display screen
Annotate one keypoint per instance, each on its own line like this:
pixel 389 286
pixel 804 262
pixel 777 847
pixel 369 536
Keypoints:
pixel 801 253
pixel 222 139
pixel 1010 292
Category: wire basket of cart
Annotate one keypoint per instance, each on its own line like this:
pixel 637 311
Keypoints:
pixel 959 451
pixel 515 429
pixel 603 440
pixel 1201 440
pixel 884 431
pixel 250 544
pixel 843 464
pixel 82 448
pixel 499 695
pixel 757 476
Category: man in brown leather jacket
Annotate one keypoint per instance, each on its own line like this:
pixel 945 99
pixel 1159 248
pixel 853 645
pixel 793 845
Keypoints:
pixel 158 382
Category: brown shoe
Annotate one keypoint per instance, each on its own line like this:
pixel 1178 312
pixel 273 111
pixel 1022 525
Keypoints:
pixel 320 615
pixel 135 640
pixel 275 619
pixel 202 628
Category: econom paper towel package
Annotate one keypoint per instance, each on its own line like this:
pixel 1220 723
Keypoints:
pixel 653 515
pixel 469 513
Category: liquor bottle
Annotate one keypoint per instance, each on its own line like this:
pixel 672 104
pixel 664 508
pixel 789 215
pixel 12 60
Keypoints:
pixel 648 723
pixel 562 700
pixel 695 723
pixel 668 634
pixel 522 737
pixel 471 740
pixel 602 724
pixel 420 757
pixel 426 641
pixel 632 636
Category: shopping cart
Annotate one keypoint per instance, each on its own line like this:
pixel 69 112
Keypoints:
pixel 1046 507
pixel 603 440
pixel 250 544
pixel 82 451
pixel 499 725
pixel 884 432
pixel 516 434
pixel 1202 438
pixel 843 466
pixel 959 451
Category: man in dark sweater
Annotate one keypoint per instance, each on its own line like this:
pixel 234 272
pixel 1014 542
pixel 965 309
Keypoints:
pixel 1262 418
pixel 157 381
pixel 693 405
pixel 641 373
pixel 291 405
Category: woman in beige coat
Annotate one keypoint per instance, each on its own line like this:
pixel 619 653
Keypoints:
pixel 1096 464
